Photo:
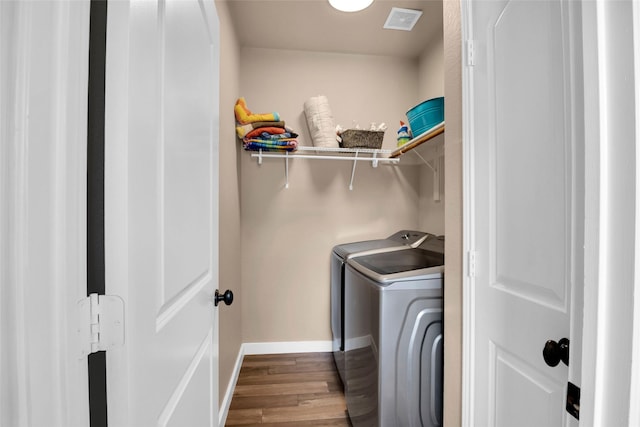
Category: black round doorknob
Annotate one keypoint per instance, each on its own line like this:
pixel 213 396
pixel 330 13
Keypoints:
pixel 227 297
pixel 556 352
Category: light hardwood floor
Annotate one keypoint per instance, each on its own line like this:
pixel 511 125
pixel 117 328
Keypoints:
pixel 301 389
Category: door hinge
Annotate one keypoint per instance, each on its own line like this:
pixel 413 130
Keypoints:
pixel 471 60
pixel 100 323
pixel 471 263
pixel 573 400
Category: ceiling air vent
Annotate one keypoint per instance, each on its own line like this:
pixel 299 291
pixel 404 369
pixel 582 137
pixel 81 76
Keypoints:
pixel 402 19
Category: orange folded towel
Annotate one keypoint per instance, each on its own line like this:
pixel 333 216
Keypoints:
pixel 243 130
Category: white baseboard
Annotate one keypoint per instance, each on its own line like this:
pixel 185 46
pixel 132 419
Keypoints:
pixel 286 347
pixel 266 348
pixel 226 402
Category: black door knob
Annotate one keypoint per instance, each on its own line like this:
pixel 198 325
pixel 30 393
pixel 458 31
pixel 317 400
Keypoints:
pixel 556 352
pixel 227 297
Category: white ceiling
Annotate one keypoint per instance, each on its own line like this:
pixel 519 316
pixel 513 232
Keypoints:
pixel 313 25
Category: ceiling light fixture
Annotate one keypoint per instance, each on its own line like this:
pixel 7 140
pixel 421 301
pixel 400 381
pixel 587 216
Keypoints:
pixel 350 5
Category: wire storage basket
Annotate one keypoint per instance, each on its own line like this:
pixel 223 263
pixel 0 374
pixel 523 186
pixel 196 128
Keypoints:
pixel 357 138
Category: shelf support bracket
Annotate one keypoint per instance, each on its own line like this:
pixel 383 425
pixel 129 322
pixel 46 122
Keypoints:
pixel 260 156
pixel 286 170
pixel 436 180
pixel 353 171
pixel 436 175
pixel 424 161
pixel 374 162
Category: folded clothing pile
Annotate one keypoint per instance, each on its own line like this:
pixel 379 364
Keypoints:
pixel 263 131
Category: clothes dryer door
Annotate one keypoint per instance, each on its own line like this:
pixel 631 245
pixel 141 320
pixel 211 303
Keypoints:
pixel 418 398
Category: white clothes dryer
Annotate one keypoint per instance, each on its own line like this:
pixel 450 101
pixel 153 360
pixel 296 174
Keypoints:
pixel 393 337
pixel 403 239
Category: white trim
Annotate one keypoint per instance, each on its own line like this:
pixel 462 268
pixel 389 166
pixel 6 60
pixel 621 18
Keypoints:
pixel 468 327
pixel 592 212
pixel 611 172
pixel 116 193
pixel 287 347
pixel 228 395
pixel 634 394
pixel 18 209
pixel 600 227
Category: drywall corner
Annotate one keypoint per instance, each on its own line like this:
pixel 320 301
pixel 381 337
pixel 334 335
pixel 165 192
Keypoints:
pixel 230 324
pixel 453 214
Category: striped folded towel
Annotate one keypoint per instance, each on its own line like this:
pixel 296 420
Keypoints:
pixel 268 145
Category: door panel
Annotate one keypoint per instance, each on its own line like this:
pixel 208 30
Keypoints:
pixel 527 199
pixel 161 210
pixel 518 387
pixel 530 181
pixel 188 402
pixel 187 154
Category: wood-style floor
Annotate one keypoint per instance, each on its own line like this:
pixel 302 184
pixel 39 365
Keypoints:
pixel 301 389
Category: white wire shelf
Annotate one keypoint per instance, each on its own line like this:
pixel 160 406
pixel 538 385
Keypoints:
pixel 375 156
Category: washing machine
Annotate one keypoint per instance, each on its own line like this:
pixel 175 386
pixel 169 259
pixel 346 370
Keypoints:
pixel 393 337
pixel 403 239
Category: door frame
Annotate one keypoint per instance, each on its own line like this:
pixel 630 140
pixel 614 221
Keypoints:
pixel 611 133
pixel 609 381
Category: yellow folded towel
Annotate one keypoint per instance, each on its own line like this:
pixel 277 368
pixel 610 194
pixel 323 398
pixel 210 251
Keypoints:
pixel 245 116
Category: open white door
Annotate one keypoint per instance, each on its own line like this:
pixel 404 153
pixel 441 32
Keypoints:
pixel 526 208
pixel 161 210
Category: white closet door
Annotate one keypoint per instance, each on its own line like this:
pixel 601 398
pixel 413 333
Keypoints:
pixel 161 205
pixel 528 207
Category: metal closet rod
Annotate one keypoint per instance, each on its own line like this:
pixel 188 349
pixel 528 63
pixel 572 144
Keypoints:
pixel 321 157
pixel 286 156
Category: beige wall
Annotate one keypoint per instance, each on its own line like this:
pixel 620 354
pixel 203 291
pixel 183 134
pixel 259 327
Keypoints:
pixel 359 88
pixel 431 67
pixel 431 85
pixel 229 195
pixel 288 234
pixel 453 213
